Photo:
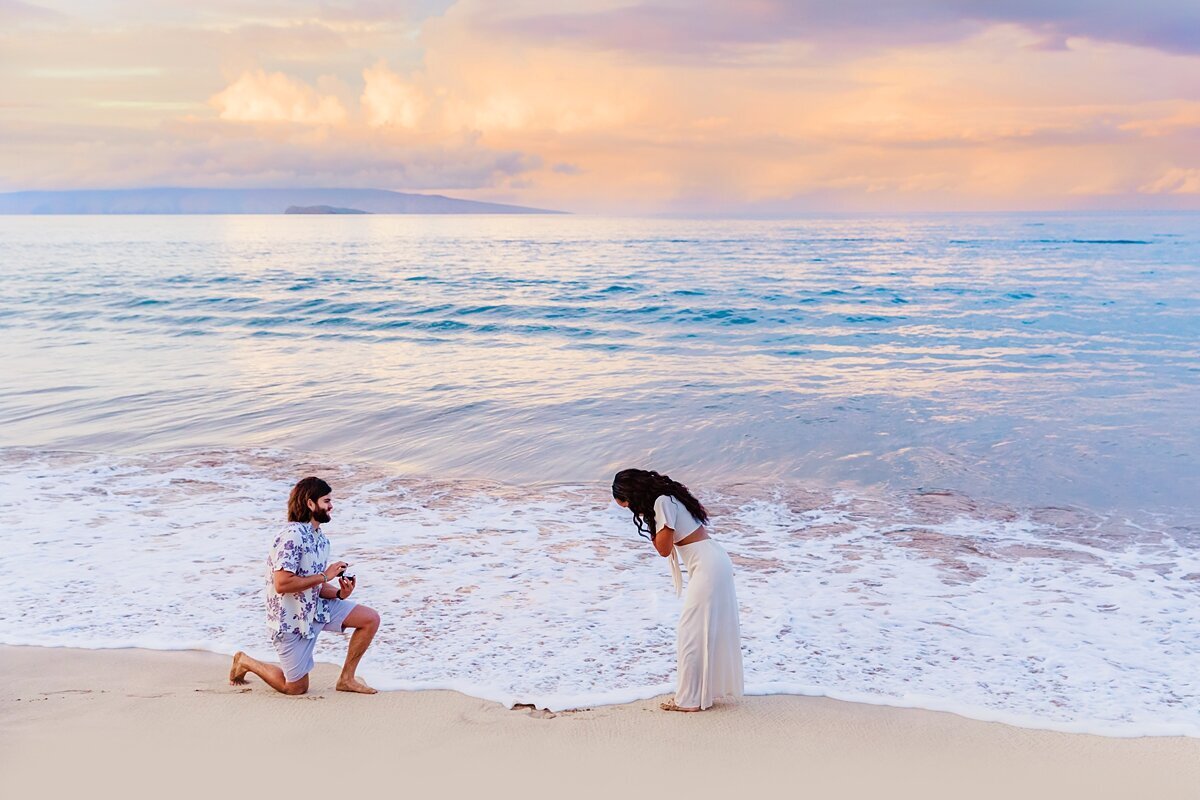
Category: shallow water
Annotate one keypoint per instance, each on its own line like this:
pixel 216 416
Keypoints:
pixel 1050 617
pixel 1030 359
pixel 953 458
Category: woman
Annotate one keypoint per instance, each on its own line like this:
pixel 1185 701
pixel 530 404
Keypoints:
pixel 709 636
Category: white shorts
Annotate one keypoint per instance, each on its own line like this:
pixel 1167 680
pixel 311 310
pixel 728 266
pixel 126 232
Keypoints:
pixel 296 652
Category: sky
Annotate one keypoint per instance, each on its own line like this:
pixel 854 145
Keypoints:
pixel 754 107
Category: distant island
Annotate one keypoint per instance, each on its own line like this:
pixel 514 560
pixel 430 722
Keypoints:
pixel 247 201
pixel 323 210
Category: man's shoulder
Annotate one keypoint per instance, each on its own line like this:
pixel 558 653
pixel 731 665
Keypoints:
pixel 292 531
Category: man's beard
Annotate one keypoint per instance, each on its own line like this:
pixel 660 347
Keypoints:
pixel 321 516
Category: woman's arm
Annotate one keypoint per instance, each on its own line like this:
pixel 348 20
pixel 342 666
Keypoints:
pixel 664 541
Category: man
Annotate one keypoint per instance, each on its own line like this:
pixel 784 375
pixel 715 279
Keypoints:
pixel 302 600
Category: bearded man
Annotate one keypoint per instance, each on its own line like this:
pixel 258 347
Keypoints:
pixel 302 599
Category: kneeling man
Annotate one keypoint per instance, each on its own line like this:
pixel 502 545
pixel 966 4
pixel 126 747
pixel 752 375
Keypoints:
pixel 302 600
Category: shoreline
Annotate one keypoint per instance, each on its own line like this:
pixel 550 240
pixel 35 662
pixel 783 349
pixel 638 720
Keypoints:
pixel 349 462
pixel 615 698
pixel 1036 620
pixel 146 723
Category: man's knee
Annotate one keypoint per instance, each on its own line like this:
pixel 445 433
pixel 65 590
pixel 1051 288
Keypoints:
pixel 296 687
pixel 370 620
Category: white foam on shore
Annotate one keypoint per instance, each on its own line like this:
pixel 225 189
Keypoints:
pixel 1049 618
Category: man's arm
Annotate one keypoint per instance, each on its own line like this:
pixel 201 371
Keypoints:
pixel 290 583
pixel 340 592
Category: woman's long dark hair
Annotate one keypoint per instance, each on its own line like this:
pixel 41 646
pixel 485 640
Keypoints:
pixel 641 487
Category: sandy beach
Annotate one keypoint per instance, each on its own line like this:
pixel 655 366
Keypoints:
pixel 135 723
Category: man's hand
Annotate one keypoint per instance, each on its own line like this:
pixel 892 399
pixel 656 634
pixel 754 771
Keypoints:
pixel 333 569
pixel 346 587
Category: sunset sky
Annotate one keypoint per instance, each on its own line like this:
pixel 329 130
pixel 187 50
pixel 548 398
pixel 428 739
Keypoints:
pixel 752 107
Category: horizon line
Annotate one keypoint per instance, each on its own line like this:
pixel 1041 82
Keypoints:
pixel 730 213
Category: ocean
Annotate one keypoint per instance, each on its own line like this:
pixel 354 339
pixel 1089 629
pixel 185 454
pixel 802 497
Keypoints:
pixel 953 457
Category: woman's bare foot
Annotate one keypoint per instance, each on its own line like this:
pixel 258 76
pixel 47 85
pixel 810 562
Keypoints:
pixel 237 673
pixel 354 685
pixel 670 706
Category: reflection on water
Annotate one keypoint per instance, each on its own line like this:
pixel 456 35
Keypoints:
pixel 1033 359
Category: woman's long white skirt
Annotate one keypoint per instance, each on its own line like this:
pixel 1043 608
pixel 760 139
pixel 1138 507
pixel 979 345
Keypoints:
pixel 710 636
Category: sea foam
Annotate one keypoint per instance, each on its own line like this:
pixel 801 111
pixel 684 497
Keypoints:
pixel 1045 617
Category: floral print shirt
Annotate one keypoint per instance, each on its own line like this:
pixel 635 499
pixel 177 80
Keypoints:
pixel 302 551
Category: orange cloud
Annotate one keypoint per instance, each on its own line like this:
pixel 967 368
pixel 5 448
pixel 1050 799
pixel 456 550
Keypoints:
pixel 1175 181
pixel 258 96
pixel 387 99
pixel 981 115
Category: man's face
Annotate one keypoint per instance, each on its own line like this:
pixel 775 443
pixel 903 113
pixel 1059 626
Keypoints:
pixel 321 509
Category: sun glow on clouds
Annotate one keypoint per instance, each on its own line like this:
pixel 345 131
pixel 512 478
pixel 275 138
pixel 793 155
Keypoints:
pixel 1175 181
pixel 261 97
pixel 387 99
pixel 644 108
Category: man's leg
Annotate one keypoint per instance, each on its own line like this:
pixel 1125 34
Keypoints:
pixel 272 675
pixel 365 622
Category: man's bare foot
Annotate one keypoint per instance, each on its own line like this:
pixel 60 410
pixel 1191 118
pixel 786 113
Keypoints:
pixel 354 685
pixel 237 673
pixel 670 706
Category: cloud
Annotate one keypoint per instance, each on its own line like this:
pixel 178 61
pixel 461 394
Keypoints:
pixel 715 28
pixel 1174 181
pixel 646 108
pixel 377 10
pixel 15 12
pixel 405 12
pixel 259 96
pixel 212 154
pixel 387 99
pixel 1167 119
